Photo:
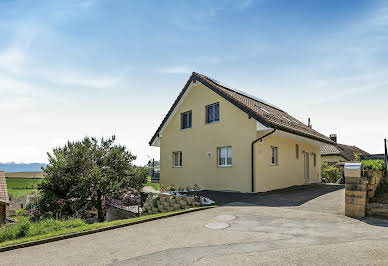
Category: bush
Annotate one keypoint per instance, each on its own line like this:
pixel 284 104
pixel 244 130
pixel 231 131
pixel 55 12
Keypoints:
pixel 382 188
pixel 20 212
pixel 330 174
pixel 374 165
pixel 23 228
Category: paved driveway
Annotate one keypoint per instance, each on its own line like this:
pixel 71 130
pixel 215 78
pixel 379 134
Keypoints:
pixel 227 235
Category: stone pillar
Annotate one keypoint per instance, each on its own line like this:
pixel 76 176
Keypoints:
pixel 355 191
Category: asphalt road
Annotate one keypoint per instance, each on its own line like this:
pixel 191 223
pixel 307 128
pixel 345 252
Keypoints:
pixel 307 234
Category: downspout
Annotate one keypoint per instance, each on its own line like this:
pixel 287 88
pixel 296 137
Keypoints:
pixel 253 157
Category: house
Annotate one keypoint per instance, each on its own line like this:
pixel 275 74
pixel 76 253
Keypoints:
pixel 339 152
pixel 224 139
pixel 4 200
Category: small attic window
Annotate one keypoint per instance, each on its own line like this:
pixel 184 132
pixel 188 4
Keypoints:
pixel 264 110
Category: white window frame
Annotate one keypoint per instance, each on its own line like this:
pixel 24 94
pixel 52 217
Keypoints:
pixel 274 156
pixel 180 160
pixel 206 113
pixel 229 151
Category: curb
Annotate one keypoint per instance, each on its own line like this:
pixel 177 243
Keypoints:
pixel 93 231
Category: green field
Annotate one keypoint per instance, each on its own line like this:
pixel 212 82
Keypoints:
pixel 21 187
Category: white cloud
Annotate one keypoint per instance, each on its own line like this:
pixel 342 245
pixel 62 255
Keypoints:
pixel 176 70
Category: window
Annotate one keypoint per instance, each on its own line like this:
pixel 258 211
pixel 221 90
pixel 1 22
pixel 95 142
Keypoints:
pixel 274 155
pixel 177 158
pixel 297 151
pixel 225 156
pixel 212 113
pixel 186 120
pixel 315 159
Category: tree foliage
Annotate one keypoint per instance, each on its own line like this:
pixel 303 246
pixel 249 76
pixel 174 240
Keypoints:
pixel 330 173
pixel 375 165
pixel 82 174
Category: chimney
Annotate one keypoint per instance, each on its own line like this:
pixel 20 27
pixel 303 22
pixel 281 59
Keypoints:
pixel 333 137
pixel 309 124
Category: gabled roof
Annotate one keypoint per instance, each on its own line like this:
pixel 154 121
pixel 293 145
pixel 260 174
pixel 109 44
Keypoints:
pixel 265 113
pixel 3 189
pixel 343 150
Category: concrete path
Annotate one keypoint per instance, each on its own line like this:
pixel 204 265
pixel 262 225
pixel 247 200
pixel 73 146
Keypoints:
pixel 229 235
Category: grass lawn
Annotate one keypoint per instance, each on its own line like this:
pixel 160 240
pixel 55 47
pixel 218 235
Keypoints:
pixel 21 187
pixel 156 186
pixel 51 228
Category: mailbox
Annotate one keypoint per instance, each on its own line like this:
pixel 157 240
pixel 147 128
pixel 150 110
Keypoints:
pixel 352 169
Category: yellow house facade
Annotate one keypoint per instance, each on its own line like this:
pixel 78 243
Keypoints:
pixel 222 139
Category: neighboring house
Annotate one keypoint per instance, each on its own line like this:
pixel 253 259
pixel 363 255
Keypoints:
pixel 224 139
pixel 339 152
pixel 4 200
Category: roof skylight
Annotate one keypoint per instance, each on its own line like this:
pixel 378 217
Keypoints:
pixel 264 110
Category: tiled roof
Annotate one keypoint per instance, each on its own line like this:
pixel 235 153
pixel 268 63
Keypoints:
pixel 329 150
pixel 343 150
pixel 265 113
pixel 3 189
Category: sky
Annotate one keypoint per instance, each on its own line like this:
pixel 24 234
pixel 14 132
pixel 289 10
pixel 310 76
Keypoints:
pixel 70 69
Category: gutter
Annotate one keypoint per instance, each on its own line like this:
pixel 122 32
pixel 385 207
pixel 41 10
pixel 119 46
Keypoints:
pixel 253 157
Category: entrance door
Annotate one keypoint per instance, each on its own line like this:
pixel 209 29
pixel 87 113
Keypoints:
pixel 306 167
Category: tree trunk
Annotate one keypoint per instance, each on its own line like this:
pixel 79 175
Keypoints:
pixel 100 211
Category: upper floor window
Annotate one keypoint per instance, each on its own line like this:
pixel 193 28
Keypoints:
pixel 213 113
pixel 177 158
pixel 186 120
pixel 274 155
pixel 225 156
pixel 297 151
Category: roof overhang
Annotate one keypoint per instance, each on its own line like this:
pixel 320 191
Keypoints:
pixel 289 135
pixel 285 134
pixel 155 141
pixel 262 124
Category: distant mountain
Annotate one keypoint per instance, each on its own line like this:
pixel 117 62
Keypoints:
pixel 22 167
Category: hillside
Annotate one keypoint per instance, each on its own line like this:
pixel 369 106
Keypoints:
pixel 22 167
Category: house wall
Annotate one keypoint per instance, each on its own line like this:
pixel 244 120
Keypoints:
pixel 290 170
pixel 333 159
pixel 234 129
pixel 2 213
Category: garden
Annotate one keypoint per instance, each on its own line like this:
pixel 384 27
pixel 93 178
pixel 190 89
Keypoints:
pixel 83 180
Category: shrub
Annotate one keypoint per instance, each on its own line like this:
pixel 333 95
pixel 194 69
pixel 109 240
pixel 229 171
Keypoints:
pixel 330 173
pixel 382 188
pixel 23 228
pixel 20 212
pixel 374 165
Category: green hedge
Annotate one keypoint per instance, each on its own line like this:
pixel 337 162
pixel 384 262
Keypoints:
pixel 375 165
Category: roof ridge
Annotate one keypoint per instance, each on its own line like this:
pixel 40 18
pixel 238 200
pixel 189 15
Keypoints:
pixel 243 93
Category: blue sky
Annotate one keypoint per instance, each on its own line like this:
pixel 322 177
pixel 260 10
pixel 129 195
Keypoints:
pixel 83 67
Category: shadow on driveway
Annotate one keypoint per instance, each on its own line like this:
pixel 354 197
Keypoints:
pixel 287 197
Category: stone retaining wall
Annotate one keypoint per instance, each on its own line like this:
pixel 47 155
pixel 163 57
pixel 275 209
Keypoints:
pixel 358 191
pixel 159 203
pixel 377 209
